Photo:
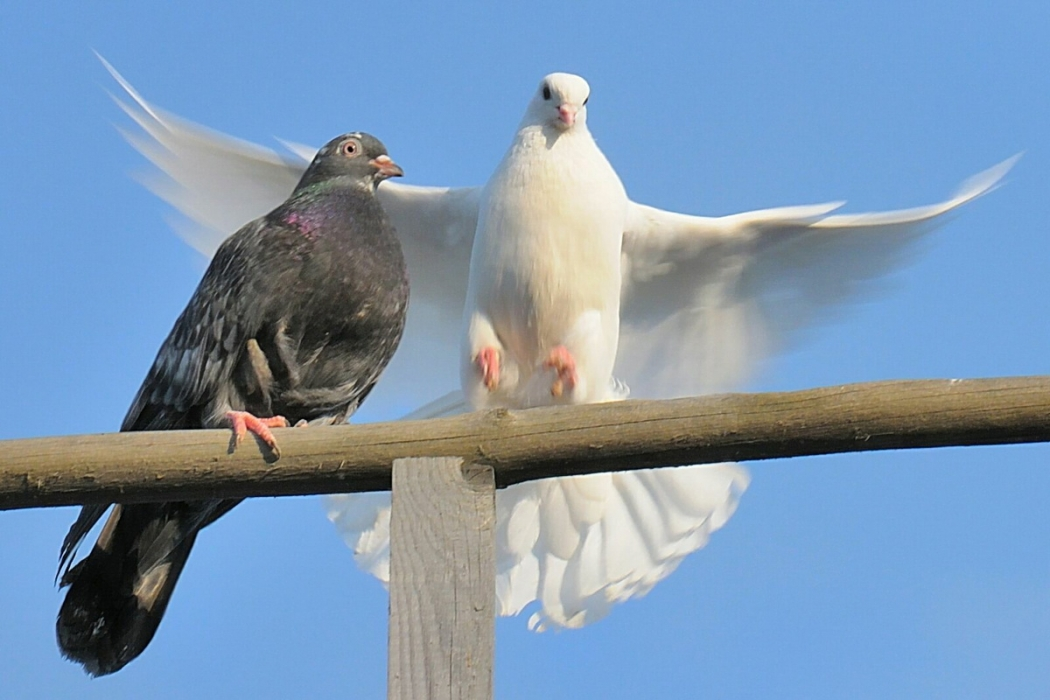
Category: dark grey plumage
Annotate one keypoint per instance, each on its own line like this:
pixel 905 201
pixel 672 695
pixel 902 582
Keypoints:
pixel 296 316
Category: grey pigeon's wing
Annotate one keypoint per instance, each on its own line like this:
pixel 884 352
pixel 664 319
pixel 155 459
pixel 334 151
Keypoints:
pixel 191 364
pixel 192 376
pixel 219 183
pixel 705 300
pixel 89 515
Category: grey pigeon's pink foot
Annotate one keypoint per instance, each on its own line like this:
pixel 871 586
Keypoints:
pixel 488 363
pixel 243 422
pixel 562 360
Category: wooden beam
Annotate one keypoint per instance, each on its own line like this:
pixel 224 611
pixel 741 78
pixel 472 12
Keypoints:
pixel 534 444
pixel 442 580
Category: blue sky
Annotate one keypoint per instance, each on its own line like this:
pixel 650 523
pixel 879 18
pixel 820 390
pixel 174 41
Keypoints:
pixel 908 574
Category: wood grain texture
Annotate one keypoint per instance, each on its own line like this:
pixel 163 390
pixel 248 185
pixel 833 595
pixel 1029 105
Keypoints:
pixel 442 580
pixel 533 444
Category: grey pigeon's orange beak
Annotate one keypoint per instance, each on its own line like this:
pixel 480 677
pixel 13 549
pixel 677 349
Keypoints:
pixel 387 167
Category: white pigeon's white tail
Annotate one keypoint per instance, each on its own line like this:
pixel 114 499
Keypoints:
pixel 363 519
pixel 577 545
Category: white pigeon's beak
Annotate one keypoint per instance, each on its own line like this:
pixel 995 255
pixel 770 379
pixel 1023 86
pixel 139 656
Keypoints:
pixel 567 114
pixel 386 166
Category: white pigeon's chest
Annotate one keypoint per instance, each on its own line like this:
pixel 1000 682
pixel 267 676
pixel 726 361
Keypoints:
pixel 550 234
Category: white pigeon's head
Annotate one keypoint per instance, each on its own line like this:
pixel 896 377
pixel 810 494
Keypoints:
pixel 560 101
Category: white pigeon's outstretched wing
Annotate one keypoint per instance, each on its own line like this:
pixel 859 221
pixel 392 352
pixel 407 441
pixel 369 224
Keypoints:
pixel 579 545
pixel 706 299
pixel 218 183
pixel 575 545
pixel 436 227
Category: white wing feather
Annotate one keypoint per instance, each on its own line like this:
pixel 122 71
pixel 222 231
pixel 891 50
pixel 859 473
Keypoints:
pixel 705 299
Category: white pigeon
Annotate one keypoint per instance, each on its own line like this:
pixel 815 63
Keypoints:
pixel 542 317
pixel 563 268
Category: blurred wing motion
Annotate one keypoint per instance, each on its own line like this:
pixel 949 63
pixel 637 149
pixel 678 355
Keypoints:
pixel 704 301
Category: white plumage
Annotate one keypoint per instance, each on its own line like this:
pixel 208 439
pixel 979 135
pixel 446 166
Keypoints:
pixel 545 266
pixel 562 265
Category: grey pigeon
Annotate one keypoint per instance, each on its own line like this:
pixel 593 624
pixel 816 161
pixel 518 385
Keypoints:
pixel 294 320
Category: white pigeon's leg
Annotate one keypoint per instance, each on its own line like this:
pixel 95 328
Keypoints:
pixel 486 371
pixel 487 362
pixel 577 367
pixel 564 366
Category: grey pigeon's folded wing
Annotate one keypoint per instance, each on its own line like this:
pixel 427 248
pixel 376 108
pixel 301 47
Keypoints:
pixel 706 299
pixel 218 183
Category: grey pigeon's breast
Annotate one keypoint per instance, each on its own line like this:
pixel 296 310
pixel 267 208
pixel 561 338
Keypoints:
pixel 548 245
pixel 342 318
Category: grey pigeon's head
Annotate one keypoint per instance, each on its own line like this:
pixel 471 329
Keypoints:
pixel 356 156
pixel 560 101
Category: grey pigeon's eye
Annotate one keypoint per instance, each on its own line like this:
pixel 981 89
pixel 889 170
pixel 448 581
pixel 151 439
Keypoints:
pixel 351 147
pixel 546 92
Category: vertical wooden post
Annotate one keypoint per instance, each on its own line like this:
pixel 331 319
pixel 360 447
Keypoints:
pixel 442 580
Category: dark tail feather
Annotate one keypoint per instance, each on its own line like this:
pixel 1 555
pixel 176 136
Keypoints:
pixel 118 593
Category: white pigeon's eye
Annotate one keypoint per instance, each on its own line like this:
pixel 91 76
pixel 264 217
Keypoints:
pixel 351 147
pixel 546 92
pixel 585 99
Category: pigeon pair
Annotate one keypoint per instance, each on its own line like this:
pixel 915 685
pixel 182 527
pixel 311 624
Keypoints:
pixel 574 293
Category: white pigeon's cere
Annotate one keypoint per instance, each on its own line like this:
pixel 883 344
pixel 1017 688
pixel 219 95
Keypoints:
pixel 575 292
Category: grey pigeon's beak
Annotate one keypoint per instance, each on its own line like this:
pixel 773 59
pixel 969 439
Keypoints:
pixel 387 167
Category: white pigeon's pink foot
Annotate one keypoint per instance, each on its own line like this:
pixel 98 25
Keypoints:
pixel 562 361
pixel 243 422
pixel 488 363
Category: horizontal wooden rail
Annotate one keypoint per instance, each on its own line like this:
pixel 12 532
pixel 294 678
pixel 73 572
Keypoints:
pixel 533 444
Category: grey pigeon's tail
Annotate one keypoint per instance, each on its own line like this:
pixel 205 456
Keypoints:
pixel 118 593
